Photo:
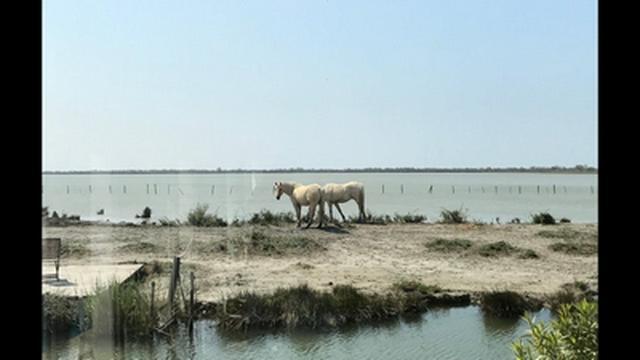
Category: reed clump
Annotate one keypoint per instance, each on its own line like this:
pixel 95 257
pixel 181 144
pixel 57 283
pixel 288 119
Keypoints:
pixel 121 311
pixel 62 313
pixel 507 304
pixel 305 307
pixel 570 293
pixel 199 217
pixel 543 218
pixel 453 217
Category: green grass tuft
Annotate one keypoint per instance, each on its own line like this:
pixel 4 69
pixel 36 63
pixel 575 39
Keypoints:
pixel 446 245
pixel 453 217
pixel 575 248
pixel 199 217
pixel 543 218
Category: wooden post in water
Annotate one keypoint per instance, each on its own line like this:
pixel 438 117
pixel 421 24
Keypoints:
pixel 67 189
pixel 382 189
pixel 153 297
pixel 538 189
pixel 175 275
pixel 554 188
pixel 124 189
pixel 147 189
pixel 155 189
pixel 110 190
pixel 191 304
pixel 496 189
pixel 592 189
pixel 402 188
pixel 90 191
pixel 453 189
pixel 431 189
pixel 213 189
pixel 519 189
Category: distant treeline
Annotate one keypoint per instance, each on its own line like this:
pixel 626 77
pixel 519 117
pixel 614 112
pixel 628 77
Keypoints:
pixel 578 169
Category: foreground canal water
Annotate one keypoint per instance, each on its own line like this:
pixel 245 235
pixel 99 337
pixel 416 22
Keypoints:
pixel 455 333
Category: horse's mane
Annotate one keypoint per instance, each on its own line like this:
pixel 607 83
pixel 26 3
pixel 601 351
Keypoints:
pixel 290 183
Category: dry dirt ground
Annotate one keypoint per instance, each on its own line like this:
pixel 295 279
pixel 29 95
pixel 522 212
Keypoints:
pixel 230 260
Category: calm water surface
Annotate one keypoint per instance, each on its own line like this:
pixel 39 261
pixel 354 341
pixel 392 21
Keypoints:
pixel 486 196
pixel 456 333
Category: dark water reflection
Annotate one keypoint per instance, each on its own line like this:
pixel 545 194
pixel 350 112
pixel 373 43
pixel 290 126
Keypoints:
pixel 457 333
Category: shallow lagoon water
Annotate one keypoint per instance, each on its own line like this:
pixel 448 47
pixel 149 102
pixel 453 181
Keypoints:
pixel 486 196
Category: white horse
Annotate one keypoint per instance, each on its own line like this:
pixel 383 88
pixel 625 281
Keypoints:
pixel 302 195
pixel 333 194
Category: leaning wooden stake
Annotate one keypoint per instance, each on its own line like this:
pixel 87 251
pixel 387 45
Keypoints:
pixel 191 304
pixel 152 311
pixel 175 274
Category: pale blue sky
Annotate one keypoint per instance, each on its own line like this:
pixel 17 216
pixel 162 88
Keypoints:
pixel 318 84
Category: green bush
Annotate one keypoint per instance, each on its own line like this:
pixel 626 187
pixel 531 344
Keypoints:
pixel 574 335
pixel 199 217
pixel 453 217
pixel 543 218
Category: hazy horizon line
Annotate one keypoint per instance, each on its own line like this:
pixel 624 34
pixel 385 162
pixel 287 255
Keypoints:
pixel 576 168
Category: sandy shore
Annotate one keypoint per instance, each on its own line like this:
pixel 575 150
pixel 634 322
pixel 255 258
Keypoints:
pixel 369 257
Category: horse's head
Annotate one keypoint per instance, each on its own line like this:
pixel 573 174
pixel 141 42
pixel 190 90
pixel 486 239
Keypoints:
pixel 277 189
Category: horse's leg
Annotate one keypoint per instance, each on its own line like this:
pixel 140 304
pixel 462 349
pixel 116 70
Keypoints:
pixel 298 215
pixel 321 214
pixel 360 200
pixel 330 212
pixel 312 210
pixel 341 214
